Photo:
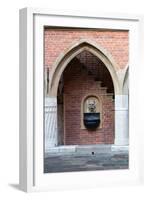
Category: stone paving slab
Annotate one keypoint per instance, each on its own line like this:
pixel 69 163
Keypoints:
pixel 85 162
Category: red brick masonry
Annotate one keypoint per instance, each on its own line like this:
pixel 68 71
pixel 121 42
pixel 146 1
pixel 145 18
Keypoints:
pixel 77 83
pixel 58 40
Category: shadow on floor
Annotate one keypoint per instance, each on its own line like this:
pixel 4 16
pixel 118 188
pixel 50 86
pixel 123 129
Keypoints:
pixel 15 186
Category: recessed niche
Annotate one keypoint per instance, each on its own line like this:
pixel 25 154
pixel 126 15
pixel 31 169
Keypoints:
pixel 91 113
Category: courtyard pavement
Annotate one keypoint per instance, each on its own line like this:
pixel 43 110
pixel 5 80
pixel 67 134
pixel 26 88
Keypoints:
pixel 85 162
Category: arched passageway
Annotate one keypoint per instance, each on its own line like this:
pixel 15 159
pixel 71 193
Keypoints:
pixel 85 77
pixel 62 82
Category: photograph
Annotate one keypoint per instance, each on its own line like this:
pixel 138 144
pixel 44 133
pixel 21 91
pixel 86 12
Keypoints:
pixel 86 99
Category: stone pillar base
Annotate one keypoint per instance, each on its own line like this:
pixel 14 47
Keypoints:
pixel 124 148
pixel 51 139
pixel 121 120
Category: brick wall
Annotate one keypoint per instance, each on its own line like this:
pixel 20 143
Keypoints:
pixel 77 84
pixel 59 40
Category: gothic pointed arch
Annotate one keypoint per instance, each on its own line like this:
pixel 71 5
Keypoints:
pixel 65 57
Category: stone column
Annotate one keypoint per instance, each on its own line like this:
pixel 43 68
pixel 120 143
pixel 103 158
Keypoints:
pixel 51 137
pixel 121 120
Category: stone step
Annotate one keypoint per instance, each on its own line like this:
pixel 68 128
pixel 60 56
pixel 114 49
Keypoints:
pixel 85 149
pixel 63 148
pixel 79 149
pixel 90 73
pixel 102 89
pixel 99 83
pixel 92 149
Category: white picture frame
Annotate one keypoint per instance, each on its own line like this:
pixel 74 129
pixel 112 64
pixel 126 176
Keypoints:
pixel 32 22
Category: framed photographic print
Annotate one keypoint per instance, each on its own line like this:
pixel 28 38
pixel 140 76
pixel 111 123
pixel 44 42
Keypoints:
pixel 79 125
